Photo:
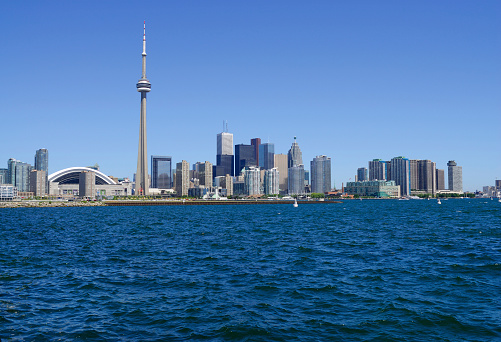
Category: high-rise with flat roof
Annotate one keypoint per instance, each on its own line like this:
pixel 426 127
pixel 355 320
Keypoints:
pixel 252 181
pixel 362 174
pixel 427 176
pixel 182 178
pixel 245 156
pixel 281 165
pixel 440 179
pixel 205 174
pixel 224 156
pixel 377 170
pixel 19 174
pixel 267 156
pixel 161 172
pixel 296 180
pixel 271 181
pixel 256 143
pixel 400 173
pixel 320 168
pixel 455 176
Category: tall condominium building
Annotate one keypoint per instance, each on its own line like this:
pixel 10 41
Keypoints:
pixel 306 177
pixel 271 181
pixel 427 176
pixel 413 164
pixel 224 156
pixel 296 180
pixel 362 174
pixel 377 170
pixel 455 176
pixel 245 156
pixel 252 181
pixel 498 184
pixel 19 174
pixel 3 176
pixel 440 175
pixel 205 174
pixel 295 157
pixel 256 143
pixel 267 156
pixel 182 178
pixel 161 172
pixel 400 173
pixel 42 164
pixel 320 168
pixel 38 182
pixel 281 165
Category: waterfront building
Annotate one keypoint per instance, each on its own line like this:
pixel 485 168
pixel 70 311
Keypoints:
pixel 161 172
pixel 440 176
pixel 245 156
pixel 294 157
pixel 306 178
pixel 362 174
pixel 225 183
pixel 413 164
pixel 400 173
pixel 8 192
pixel 498 184
pixel 182 178
pixel 87 184
pixel 66 183
pixel 377 188
pixel 224 156
pixel 205 174
pixel 320 168
pixel 3 176
pixel 427 176
pixel 267 156
pixel 296 180
pixel 143 86
pixel 252 181
pixel 42 164
pixel 455 174
pixel 280 162
pixel 19 174
pixel 271 181
pixel 38 182
pixel 377 170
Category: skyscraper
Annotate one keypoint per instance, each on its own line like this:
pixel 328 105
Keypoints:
pixel 19 174
pixel 143 86
pixel 42 164
pixel 252 181
pixel 281 165
pixel 295 157
pixel 182 178
pixel 320 168
pixel 455 176
pixel 400 173
pixel 205 174
pixel 427 176
pixel 267 156
pixel 296 180
pixel 362 174
pixel 161 172
pixel 440 179
pixel 378 170
pixel 256 142
pixel 245 156
pixel 224 156
pixel 271 181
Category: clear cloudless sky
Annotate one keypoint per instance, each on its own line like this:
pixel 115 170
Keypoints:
pixel 354 80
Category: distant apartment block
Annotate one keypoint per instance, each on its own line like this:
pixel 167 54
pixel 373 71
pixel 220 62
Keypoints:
pixel 379 188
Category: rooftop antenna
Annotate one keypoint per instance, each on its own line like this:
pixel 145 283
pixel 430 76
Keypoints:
pixel 226 126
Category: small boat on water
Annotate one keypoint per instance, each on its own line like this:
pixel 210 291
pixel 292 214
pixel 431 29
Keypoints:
pixel 438 201
pixel 295 203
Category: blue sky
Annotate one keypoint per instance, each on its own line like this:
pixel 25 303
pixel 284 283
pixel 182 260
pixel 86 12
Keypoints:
pixel 354 80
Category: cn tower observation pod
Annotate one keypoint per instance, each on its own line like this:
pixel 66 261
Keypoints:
pixel 71 176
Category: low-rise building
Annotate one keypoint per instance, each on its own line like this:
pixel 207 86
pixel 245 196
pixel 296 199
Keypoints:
pixel 379 188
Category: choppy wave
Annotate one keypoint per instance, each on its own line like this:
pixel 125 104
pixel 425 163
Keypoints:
pixel 359 271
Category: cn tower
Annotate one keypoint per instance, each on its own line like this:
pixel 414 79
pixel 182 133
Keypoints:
pixel 143 86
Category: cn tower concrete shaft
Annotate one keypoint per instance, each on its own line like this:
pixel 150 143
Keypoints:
pixel 143 86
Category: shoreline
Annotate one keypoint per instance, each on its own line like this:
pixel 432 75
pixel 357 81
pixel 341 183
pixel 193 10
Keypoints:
pixel 127 203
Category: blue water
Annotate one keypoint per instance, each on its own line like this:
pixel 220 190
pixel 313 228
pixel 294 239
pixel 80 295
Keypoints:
pixel 360 271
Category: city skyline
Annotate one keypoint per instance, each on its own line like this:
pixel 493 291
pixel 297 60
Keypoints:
pixel 326 93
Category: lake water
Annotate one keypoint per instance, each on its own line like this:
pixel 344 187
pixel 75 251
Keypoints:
pixel 360 271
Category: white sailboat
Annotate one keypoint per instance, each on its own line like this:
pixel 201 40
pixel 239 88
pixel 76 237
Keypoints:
pixel 295 203
pixel 438 201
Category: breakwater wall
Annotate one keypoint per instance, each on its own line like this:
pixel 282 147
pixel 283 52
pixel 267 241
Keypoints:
pixel 210 202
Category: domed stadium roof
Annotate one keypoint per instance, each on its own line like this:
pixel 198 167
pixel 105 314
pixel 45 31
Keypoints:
pixel 71 175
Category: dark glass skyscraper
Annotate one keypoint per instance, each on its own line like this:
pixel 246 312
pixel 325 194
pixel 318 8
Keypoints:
pixel 245 155
pixel 42 160
pixel 267 156
pixel 161 169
